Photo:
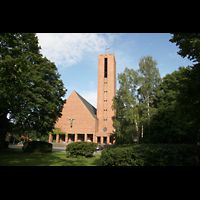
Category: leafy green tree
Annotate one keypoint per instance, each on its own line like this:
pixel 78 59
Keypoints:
pixel 31 90
pixel 133 100
pixel 124 104
pixel 149 78
pixel 189 98
pixel 189 45
pixel 168 124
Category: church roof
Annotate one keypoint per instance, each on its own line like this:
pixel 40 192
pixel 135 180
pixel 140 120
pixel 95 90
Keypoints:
pixel 90 107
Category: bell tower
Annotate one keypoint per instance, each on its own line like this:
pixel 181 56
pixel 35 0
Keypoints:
pixel 105 92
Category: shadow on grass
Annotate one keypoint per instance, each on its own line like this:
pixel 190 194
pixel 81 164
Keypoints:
pixel 16 157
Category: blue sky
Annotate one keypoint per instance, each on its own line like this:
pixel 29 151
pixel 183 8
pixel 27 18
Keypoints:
pixel 76 56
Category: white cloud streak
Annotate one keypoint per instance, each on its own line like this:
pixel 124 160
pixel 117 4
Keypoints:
pixel 66 49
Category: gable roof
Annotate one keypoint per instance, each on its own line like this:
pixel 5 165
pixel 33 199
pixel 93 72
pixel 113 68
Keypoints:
pixel 90 107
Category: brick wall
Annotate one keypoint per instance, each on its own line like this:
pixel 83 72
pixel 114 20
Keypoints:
pixel 106 92
pixel 84 122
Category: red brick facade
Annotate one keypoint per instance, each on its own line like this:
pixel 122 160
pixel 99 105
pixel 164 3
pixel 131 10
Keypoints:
pixel 106 92
pixel 87 123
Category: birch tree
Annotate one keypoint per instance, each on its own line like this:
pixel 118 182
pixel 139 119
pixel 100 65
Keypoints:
pixel 124 104
pixel 149 78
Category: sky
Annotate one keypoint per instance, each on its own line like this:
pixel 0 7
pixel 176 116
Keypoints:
pixel 76 56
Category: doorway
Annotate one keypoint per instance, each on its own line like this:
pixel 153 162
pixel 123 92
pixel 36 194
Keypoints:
pixel 82 138
pixel 54 137
pixel 105 140
pixel 99 140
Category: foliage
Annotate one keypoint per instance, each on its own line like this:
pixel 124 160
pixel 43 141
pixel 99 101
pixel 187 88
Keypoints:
pixel 31 89
pixel 167 123
pixel 58 131
pixel 124 105
pixel 188 99
pixel 37 147
pixel 151 155
pixel 133 100
pixel 149 77
pixel 14 138
pixel 81 149
pixel 189 45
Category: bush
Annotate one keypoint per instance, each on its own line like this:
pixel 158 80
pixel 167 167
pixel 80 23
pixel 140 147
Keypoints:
pixel 37 147
pixel 151 155
pixel 77 149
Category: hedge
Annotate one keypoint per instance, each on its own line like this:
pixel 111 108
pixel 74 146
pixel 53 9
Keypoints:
pixel 37 147
pixel 77 149
pixel 151 155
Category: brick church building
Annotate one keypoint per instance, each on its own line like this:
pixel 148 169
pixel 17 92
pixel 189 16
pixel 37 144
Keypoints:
pixel 81 121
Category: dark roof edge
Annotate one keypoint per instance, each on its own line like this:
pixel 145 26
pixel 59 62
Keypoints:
pixel 88 105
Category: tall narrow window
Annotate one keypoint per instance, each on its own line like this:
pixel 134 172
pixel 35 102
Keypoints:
pixel 105 68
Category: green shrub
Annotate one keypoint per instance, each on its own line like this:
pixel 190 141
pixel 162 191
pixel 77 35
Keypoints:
pixel 77 149
pixel 37 147
pixel 151 155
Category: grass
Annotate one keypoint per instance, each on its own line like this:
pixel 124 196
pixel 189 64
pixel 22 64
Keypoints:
pixel 16 157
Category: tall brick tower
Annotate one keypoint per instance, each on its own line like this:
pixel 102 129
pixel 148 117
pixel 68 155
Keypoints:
pixel 105 93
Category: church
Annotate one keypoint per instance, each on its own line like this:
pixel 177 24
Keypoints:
pixel 80 120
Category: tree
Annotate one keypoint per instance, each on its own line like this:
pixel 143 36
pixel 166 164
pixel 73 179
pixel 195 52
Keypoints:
pixel 189 98
pixel 124 104
pixel 32 92
pixel 13 61
pixel 149 78
pixel 132 103
pixel 189 45
pixel 168 124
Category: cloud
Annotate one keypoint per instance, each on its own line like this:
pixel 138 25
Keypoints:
pixel 66 49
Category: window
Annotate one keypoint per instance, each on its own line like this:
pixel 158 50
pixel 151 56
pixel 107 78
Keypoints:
pixel 105 68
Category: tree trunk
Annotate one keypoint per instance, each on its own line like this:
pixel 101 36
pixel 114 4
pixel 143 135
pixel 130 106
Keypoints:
pixel 142 131
pixel 148 118
pixel 136 129
pixel 142 126
pixel 3 125
pixel 132 137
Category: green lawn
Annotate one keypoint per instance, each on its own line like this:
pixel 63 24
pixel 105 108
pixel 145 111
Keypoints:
pixel 16 157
